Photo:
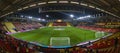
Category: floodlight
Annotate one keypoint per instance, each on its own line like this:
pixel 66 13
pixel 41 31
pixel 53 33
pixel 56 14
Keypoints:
pixel 43 19
pixel 30 17
pixel 39 19
pixel 47 15
pixel 88 16
pixel 71 16
pixel 21 16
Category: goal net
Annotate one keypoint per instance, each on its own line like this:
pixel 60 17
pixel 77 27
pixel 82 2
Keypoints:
pixel 99 34
pixel 60 41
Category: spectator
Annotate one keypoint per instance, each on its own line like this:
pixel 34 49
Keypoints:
pixel 15 29
pixel 116 42
pixel 3 31
pixel 89 42
pixel 96 50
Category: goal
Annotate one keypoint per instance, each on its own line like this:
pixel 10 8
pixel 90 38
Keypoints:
pixel 60 41
pixel 99 34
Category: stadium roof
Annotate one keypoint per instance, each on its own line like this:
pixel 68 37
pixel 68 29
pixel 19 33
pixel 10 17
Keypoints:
pixel 108 6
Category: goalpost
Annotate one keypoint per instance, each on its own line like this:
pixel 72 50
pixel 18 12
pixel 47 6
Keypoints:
pixel 60 41
pixel 99 34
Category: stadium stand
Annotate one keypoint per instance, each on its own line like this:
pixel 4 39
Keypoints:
pixel 18 26
pixel 68 24
pixel 1 26
pixel 12 45
pixel 10 26
pixel 109 44
pixel 112 30
pixel 59 24
pixel 50 24
pixel 26 26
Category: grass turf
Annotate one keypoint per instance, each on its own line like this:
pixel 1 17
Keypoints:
pixel 43 35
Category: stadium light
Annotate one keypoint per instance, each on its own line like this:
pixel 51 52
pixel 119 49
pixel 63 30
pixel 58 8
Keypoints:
pixel 43 19
pixel 59 20
pixel 21 16
pixel 71 15
pixel 47 15
pixel 30 17
pixel 88 16
pixel 39 19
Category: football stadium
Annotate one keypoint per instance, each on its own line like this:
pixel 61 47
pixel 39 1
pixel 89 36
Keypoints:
pixel 59 26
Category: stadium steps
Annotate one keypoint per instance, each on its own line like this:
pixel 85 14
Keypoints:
pixel 9 26
pixel 50 24
pixel 3 27
pixel 68 24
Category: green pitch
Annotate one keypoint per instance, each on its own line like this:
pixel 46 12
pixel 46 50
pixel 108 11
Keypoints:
pixel 43 35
